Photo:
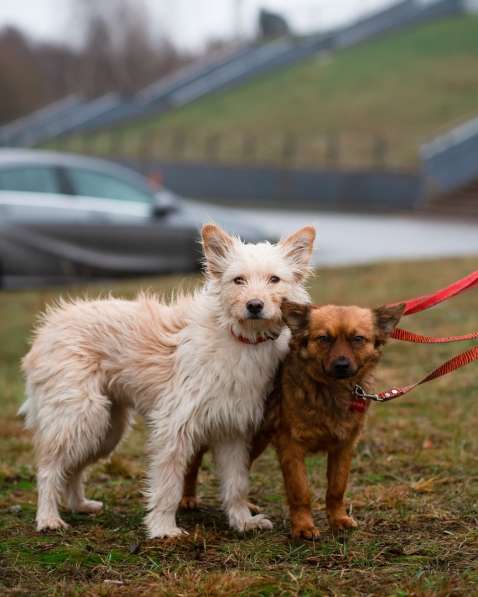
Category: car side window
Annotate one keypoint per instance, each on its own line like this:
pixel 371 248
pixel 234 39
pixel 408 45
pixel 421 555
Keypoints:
pixel 96 184
pixel 29 179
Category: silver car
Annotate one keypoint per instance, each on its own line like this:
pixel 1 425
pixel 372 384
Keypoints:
pixel 66 216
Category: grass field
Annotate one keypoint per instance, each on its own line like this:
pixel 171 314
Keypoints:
pixel 405 87
pixel 414 486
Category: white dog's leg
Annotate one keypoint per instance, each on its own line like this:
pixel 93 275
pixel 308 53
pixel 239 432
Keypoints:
pixel 232 462
pixel 65 446
pixel 75 494
pixel 166 480
pixel 51 484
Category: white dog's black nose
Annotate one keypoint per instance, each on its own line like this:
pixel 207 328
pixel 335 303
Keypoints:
pixel 254 306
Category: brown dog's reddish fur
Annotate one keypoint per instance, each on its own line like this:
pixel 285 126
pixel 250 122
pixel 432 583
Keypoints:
pixel 332 348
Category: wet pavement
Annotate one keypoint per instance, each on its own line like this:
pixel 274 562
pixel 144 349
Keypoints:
pixel 345 239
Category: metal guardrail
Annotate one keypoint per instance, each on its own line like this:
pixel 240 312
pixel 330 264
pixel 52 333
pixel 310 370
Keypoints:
pixel 397 16
pixel 156 97
pixel 19 131
pixel 82 116
pixel 450 161
pixel 160 90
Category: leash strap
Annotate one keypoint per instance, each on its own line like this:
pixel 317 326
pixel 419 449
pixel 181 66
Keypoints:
pixel 428 301
pixel 406 336
pixel 416 306
pixel 457 362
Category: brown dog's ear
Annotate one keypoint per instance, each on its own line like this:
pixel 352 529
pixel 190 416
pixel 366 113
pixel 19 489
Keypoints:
pixel 295 315
pixel 216 246
pixel 386 320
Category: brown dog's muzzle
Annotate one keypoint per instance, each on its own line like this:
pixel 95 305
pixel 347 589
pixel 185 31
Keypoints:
pixel 342 368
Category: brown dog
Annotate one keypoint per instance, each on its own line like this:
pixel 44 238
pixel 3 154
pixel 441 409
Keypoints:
pixel 312 408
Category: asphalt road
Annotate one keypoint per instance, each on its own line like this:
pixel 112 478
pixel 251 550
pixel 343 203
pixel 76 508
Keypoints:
pixel 345 239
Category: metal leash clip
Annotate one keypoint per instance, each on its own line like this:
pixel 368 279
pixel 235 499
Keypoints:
pixel 359 392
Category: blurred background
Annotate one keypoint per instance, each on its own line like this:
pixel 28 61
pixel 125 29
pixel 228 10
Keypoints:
pixel 126 124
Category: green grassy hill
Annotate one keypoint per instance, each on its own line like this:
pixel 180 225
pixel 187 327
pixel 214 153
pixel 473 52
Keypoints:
pixel 404 88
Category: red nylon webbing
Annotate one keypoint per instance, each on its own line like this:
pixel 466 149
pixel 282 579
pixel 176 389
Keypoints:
pixel 430 300
pixel 421 304
pixel 406 336
pixel 457 362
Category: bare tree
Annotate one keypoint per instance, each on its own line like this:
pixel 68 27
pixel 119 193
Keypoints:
pixel 118 52
pixel 20 82
pixel 121 52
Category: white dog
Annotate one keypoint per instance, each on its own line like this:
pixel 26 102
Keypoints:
pixel 197 370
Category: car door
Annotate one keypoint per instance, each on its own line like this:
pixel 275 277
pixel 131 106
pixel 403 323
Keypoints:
pixel 123 236
pixel 108 197
pixel 57 237
pixel 30 199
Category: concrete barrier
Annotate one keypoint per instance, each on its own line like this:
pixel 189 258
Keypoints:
pixel 380 190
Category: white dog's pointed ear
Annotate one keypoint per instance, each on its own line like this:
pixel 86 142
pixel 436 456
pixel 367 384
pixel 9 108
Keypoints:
pixel 216 246
pixel 298 249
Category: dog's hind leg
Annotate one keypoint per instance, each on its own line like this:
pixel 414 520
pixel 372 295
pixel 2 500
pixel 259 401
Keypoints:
pixel 189 501
pixel 50 485
pixel 69 433
pixel 75 496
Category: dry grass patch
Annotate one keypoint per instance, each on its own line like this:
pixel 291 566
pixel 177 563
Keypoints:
pixel 414 487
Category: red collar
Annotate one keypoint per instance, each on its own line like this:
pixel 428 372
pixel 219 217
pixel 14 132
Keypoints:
pixel 359 405
pixel 258 340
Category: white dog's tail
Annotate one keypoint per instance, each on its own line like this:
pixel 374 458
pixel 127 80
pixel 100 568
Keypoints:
pixel 24 409
pixel 27 411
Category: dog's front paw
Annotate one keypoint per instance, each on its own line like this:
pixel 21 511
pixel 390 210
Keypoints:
pixel 339 523
pixel 162 525
pixel 308 532
pixel 51 523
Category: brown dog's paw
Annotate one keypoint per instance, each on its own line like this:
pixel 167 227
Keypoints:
pixel 310 533
pixel 254 508
pixel 189 502
pixel 339 523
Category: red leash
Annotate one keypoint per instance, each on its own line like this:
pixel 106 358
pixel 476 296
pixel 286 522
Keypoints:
pixel 430 300
pixel 415 306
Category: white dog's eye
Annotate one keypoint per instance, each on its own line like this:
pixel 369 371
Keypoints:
pixel 239 280
pixel 274 279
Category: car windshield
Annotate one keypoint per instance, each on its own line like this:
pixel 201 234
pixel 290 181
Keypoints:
pixel 89 183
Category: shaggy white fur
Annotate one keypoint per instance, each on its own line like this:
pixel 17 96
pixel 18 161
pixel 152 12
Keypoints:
pixel 181 366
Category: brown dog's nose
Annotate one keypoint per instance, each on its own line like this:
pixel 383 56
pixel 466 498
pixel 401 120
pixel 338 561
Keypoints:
pixel 342 367
pixel 255 306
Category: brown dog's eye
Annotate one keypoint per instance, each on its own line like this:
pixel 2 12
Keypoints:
pixel 274 279
pixel 325 339
pixel 239 280
pixel 358 339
